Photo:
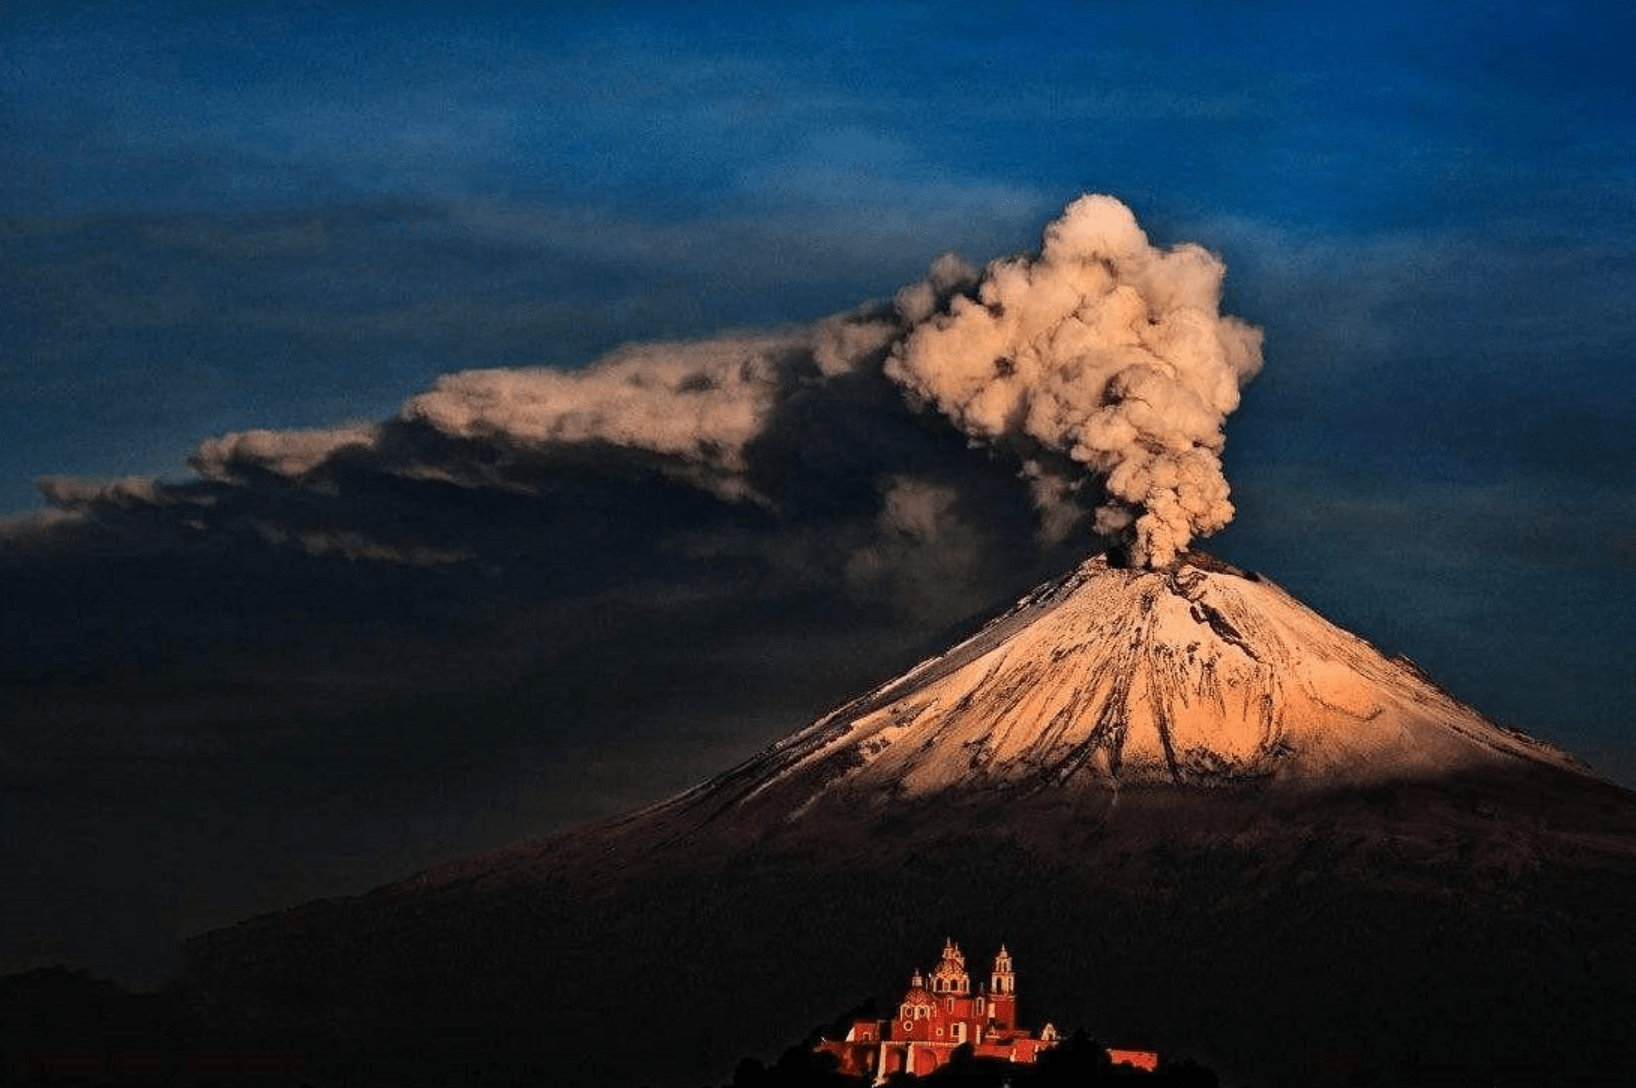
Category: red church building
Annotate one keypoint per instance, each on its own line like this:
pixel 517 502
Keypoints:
pixel 939 1015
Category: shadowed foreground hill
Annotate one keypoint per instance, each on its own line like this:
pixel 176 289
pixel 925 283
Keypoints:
pixel 1205 820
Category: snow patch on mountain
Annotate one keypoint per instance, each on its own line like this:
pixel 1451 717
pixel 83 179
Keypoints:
pixel 1197 674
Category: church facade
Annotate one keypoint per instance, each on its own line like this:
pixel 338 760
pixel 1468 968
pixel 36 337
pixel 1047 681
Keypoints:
pixel 938 1014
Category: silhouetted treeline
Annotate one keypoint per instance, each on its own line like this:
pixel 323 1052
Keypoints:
pixel 1078 1060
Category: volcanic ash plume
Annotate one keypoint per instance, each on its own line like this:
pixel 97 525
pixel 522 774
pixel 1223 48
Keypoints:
pixel 1103 352
pixel 1103 365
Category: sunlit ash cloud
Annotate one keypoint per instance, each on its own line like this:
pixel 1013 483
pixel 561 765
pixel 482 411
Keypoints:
pixel 1107 352
pixel 1101 370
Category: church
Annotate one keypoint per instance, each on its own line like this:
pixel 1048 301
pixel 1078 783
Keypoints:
pixel 937 1016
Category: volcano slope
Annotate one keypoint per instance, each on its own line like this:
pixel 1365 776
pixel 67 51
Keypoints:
pixel 1204 819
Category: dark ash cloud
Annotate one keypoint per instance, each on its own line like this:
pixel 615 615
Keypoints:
pixel 536 595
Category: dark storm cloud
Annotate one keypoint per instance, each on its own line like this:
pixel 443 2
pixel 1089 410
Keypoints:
pixel 434 631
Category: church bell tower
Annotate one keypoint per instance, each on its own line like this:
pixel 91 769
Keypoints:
pixel 1003 980
pixel 1002 991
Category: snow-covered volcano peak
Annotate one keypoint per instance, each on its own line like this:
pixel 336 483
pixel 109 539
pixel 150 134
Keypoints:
pixel 1196 674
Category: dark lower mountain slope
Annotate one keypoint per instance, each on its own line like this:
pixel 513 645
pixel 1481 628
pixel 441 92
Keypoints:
pixel 1476 929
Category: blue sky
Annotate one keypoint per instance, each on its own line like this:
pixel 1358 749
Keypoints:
pixel 219 216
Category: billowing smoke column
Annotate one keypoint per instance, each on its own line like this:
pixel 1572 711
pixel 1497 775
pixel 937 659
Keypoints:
pixel 1103 365
pixel 1107 352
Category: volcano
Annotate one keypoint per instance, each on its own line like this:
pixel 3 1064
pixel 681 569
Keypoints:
pixel 1204 818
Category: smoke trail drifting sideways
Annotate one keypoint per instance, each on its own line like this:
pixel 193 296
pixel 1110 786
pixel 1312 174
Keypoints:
pixel 1108 352
pixel 690 408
